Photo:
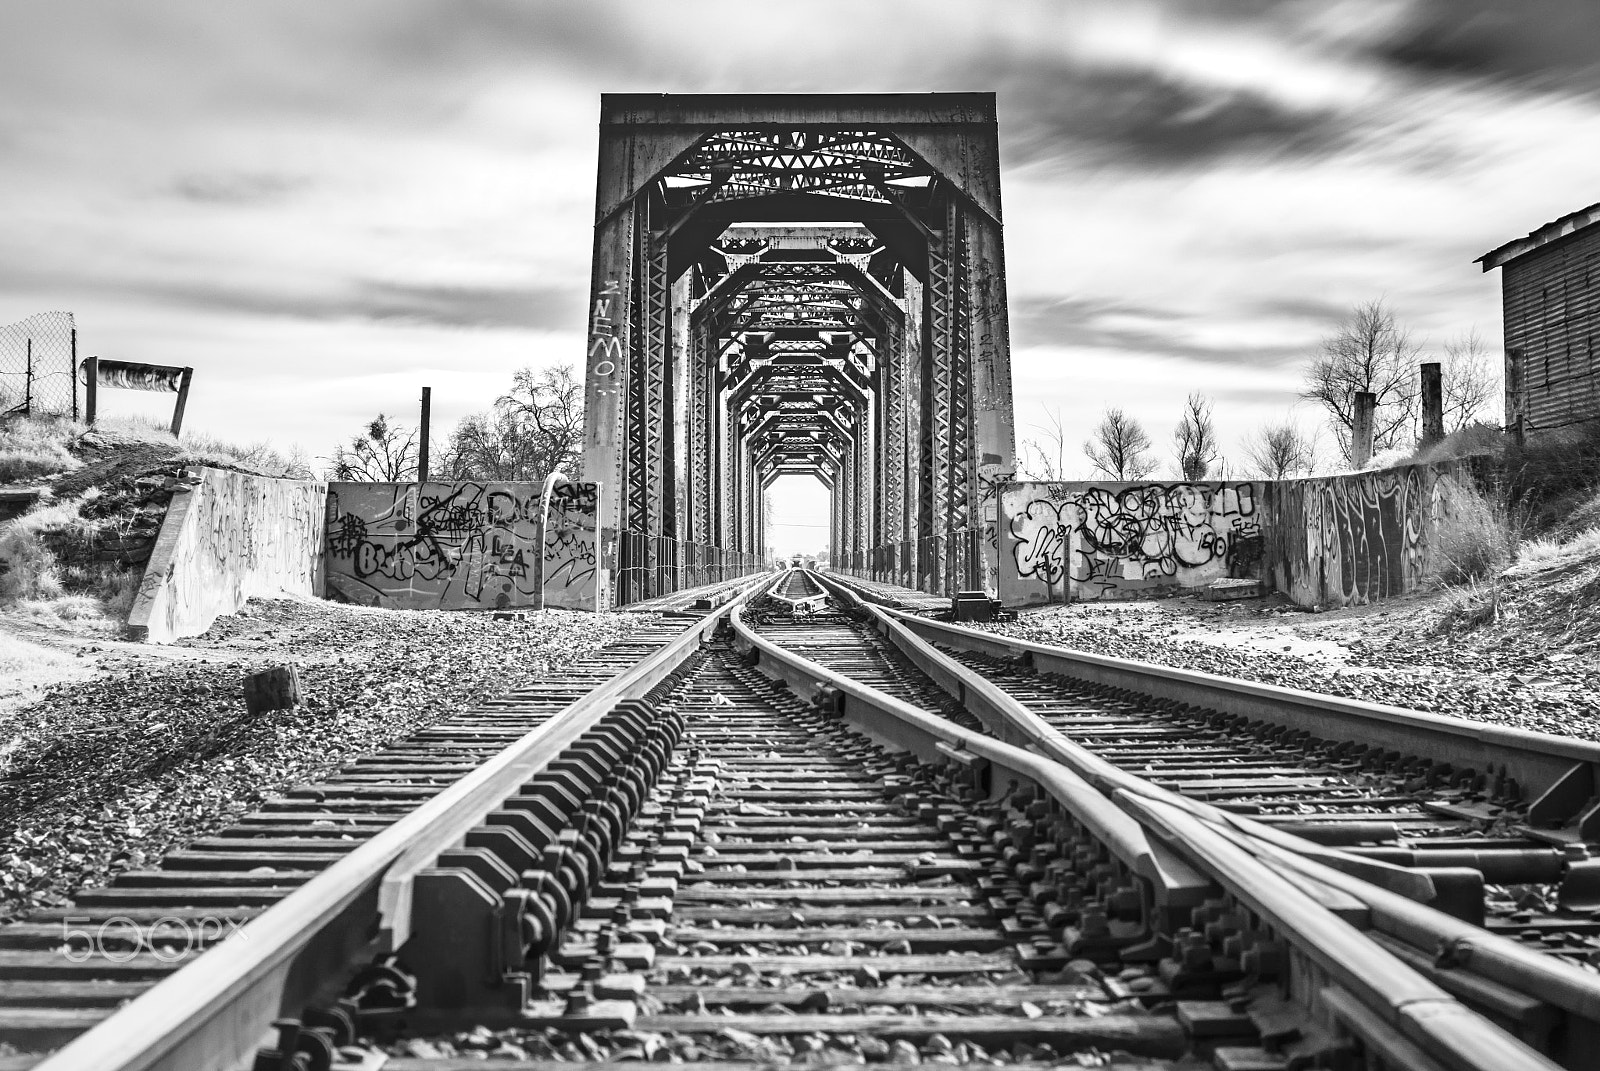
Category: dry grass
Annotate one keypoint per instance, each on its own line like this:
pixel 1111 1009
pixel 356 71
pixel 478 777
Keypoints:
pixel 28 569
pixel 37 585
pixel 1476 536
pixel 31 449
pixel 263 458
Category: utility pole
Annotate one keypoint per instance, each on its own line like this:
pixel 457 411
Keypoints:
pixel 422 444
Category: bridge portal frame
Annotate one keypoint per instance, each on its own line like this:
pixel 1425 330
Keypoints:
pixel 913 489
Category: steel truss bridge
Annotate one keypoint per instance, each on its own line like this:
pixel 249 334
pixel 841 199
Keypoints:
pixel 798 284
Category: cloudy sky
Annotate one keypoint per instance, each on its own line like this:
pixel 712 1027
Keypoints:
pixel 324 206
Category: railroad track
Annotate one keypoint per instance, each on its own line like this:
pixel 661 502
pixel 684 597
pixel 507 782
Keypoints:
pixel 1392 803
pixel 732 854
pixel 64 970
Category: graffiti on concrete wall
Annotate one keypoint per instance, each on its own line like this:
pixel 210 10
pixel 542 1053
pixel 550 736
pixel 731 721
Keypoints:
pixel 1350 539
pixel 1132 538
pixel 572 573
pixel 450 546
pixel 226 538
pixel 1103 541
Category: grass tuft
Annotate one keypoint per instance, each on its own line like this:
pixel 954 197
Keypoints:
pixel 1475 538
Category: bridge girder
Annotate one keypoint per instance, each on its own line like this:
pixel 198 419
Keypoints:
pixel 808 284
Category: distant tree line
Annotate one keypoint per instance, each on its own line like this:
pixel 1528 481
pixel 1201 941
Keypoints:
pixel 1369 350
pixel 532 430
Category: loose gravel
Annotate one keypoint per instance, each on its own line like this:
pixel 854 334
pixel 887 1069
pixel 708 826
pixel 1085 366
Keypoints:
pixel 1411 652
pixel 156 749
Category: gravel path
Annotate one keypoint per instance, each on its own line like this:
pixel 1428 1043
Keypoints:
pixel 155 748
pixel 1404 652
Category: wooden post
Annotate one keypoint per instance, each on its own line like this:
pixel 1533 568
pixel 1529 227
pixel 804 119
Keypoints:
pixel 27 382
pixel 277 688
pixel 91 389
pixel 183 401
pixel 1361 428
pixel 74 367
pixel 422 435
pixel 1432 402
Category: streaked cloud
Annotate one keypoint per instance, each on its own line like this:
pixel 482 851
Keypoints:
pixel 323 205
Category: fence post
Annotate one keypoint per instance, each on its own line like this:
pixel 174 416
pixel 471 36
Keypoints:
pixel 91 389
pixel 73 364
pixel 27 383
pixel 183 401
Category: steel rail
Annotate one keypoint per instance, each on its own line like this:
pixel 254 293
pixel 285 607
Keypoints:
pixel 1395 906
pixel 934 739
pixel 1004 715
pixel 1558 771
pixel 1417 1008
pixel 1421 1011
pixel 218 1009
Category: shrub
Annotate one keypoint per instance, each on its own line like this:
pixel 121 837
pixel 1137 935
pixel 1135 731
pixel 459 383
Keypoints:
pixel 1472 440
pixel 1475 537
pixel 1554 475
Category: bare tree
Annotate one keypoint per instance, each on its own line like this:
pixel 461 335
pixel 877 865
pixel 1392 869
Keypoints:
pixel 1045 458
pixel 1120 447
pixel 383 453
pixel 1470 380
pixel 1195 438
pixel 1368 352
pixel 1280 451
pixel 531 432
pixel 549 404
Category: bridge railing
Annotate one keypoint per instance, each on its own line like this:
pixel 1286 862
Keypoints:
pixel 939 564
pixel 651 566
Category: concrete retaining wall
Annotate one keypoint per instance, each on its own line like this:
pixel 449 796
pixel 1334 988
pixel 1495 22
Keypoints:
pixel 1119 540
pixel 1353 539
pixel 227 537
pixel 1330 541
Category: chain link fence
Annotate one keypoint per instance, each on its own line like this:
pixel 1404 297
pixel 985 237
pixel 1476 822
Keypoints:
pixel 38 366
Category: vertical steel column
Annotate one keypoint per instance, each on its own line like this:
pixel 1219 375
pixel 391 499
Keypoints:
pixel 649 425
pixel 993 420
pixel 913 346
pixel 606 390
pixel 961 472
pixel 705 435
pixel 946 432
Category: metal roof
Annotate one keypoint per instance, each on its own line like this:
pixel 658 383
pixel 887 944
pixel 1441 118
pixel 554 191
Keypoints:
pixel 1570 223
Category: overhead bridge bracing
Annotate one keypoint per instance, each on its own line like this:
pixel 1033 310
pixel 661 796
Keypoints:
pixel 807 284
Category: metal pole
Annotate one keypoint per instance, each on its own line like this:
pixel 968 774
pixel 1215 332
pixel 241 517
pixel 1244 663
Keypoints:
pixel 422 444
pixel 74 366
pixel 27 383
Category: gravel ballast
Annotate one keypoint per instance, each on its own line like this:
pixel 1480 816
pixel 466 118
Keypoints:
pixel 156 749
pixel 1403 652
